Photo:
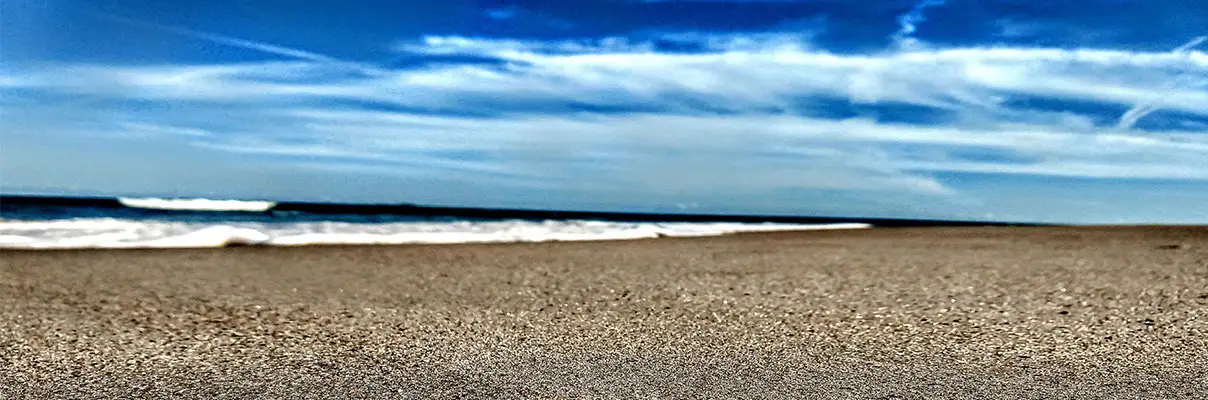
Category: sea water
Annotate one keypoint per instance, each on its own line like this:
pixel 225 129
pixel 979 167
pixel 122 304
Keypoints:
pixel 194 223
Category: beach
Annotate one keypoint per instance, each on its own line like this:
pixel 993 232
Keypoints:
pixel 1001 312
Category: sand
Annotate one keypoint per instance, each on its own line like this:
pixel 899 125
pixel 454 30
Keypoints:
pixel 880 313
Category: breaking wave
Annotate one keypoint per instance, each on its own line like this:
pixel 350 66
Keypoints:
pixel 197 204
pixel 118 233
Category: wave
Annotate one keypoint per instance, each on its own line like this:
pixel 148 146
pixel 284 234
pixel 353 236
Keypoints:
pixel 117 233
pixel 197 204
pixel 34 208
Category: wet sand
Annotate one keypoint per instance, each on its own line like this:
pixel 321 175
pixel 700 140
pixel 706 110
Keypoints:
pixel 881 313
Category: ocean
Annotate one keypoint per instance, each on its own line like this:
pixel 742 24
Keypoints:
pixel 28 222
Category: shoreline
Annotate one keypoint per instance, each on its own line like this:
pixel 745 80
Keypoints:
pixel 1066 312
pixel 754 234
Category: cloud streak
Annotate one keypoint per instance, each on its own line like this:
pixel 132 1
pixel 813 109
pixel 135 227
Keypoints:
pixel 1142 109
pixel 1193 43
pixel 266 48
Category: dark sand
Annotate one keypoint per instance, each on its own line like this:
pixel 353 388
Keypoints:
pixel 883 313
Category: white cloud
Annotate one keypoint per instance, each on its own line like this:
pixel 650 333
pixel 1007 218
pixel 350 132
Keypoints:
pixel 733 77
pixel 658 150
pixel 908 22
pixel 513 48
pixel 1149 106
pixel 742 115
pixel 144 129
pixel 1191 44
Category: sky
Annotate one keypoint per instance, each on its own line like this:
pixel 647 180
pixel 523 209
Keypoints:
pixel 1077 111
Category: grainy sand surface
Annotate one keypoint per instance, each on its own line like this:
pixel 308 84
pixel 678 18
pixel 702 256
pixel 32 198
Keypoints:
pixel 881 313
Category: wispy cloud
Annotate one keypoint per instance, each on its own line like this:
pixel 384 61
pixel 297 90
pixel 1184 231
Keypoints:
pixel 748 117
pixel 504 13
pixel 1149 106
pixel 1193 43
pixel 263 47
pixel 908 22
pixel 624 73
pixel 513 48
pixel 144 129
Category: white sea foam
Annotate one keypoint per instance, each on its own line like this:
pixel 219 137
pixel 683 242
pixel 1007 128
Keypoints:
pixel 116 233
pixel 197 204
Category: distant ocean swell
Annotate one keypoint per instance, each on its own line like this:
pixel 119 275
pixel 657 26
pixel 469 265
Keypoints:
pixel 200 223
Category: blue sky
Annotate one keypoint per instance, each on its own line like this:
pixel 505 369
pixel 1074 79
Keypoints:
pixel 1070 111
